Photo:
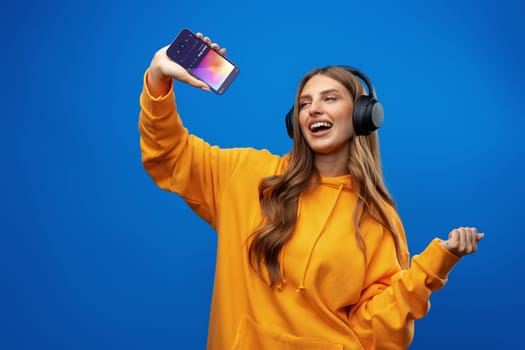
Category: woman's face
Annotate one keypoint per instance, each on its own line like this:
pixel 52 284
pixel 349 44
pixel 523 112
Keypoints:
pixel 325 115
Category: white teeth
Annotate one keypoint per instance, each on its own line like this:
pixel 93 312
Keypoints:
pixel 318 125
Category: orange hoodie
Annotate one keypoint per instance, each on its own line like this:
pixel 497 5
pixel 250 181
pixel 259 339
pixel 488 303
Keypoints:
pixel 330 298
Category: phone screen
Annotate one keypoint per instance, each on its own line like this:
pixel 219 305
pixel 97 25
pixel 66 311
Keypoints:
pixel 213 69
pixel 202 61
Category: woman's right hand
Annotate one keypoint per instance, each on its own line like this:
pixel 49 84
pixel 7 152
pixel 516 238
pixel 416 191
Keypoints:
pixel 162 69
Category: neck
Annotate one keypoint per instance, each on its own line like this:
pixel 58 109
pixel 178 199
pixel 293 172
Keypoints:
pixel 332 165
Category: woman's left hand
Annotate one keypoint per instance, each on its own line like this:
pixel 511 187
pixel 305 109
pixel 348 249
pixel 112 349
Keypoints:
pixel 463 241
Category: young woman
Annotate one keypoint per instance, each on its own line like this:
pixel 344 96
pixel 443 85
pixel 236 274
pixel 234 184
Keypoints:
pixel 311 251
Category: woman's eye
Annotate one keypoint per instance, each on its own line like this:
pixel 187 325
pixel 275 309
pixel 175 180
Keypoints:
pixel 330 98
pixel 303 104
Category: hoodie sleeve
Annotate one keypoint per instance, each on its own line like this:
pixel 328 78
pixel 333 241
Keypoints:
pixel 393 298
pixel 180 162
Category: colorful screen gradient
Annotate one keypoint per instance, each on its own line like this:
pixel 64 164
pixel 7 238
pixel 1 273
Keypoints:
pixel 213 69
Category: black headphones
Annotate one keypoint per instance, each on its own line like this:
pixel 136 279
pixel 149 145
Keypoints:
pixel 368 113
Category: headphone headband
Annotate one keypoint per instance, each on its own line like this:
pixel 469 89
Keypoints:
pixel 363 77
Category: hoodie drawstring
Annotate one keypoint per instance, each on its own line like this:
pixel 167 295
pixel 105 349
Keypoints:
pixel 301 287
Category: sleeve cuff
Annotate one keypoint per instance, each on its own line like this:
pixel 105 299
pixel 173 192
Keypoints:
pixel 437 260
pixel 157 106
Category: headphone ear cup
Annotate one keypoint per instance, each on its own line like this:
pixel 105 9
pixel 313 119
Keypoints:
pixel 359 118
pixel 289 123
pixel 368 115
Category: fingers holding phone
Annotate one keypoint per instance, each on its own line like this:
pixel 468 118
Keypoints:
pixel 214 46
pixel 162 70
pixel 203 60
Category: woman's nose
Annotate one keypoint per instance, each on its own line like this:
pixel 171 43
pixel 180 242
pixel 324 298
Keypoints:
pixel 315 108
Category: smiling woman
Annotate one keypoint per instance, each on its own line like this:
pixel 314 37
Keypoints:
pixel 324 109
pixel 311 251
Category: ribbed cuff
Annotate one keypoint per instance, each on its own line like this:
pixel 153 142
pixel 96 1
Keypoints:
pixel 437 259
pixel 156 106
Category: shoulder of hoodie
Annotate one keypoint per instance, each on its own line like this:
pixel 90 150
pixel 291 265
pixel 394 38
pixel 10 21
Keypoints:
pixel 395 220
pixel 261 161
pixel 398 224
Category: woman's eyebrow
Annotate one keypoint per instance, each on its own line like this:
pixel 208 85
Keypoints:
pixel 324 92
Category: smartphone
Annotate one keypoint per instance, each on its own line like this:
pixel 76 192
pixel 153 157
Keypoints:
pixel 201 61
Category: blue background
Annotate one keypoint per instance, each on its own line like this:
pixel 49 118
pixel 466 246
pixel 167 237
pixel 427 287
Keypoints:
pixel 93 255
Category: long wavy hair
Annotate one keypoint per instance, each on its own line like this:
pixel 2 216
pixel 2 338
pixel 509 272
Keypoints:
pixel 279 194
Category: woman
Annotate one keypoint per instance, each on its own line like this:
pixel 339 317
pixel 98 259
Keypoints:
pixel 311 251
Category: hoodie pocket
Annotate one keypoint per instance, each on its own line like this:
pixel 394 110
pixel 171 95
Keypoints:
pixel 253 336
